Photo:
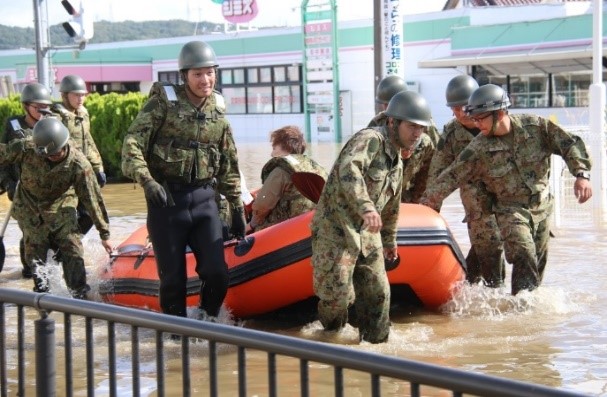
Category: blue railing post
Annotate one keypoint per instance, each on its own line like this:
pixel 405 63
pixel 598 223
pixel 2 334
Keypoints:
pixel 45 356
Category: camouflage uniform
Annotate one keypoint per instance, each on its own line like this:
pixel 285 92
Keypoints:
pixel 484 259
pixel 45 207
pixel 515 168
pixel 79 126
pixel 417 166
pixel 278 200
pixel 415 171
pixel 348 262
pixel 190 152
pixel 16 128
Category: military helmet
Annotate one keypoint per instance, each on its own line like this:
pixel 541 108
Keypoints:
pixel 487 98
pixel 388 87
pixel 73 83
pixel 196 54
pixel 459 90
pixel 410 106
pixel 50 136
pixel 36 93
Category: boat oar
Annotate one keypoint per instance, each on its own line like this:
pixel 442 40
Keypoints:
pixel 309 184
pixel 4 225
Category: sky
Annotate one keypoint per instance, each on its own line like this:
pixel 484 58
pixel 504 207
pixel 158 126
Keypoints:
pixel 271 12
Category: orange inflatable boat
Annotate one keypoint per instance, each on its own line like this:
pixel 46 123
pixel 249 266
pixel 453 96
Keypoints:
pixel 271 269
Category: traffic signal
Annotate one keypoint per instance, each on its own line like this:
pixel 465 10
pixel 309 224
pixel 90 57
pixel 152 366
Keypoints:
pixel 80 28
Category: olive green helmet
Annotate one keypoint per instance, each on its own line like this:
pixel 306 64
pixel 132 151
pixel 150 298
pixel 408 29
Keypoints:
pixel 73 83
pixel 196 54
pixel 50 136
pixel 487 98
pixel 36 93
pixel 459 90
pixel 410 106
pixel 388 87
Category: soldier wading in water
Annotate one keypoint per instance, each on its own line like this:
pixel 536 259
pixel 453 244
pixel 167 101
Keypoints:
pixel 180 149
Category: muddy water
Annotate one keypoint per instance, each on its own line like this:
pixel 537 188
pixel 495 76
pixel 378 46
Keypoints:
pixel 555 336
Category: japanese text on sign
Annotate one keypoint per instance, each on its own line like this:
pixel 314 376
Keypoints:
pixel 392 38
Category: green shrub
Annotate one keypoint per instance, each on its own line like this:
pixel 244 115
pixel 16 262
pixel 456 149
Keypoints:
pixel 9 107
pixel 111 115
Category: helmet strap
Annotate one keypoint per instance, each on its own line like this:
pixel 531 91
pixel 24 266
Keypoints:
pixel 29 117
pixel 199 99
pixel 394 135
pixel 66 102
pixel 494 125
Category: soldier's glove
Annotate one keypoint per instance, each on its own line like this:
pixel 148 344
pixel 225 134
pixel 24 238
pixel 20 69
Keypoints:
pixel 101 179
pixel 155 193
pixel 10 188
pixel 238 223
pixel 391 264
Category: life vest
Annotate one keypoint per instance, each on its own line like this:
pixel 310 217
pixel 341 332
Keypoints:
pixel 292 203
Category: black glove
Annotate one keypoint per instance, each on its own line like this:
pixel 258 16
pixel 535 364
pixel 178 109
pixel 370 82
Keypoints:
pixel 10 188
pixel 155 194
pixel 101 179
pixel 391 264
pixel 238 223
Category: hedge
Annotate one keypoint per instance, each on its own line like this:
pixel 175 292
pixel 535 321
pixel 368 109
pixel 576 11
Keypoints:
pixel 111 115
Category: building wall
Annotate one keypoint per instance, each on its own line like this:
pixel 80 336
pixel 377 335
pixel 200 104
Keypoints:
pixel 426 36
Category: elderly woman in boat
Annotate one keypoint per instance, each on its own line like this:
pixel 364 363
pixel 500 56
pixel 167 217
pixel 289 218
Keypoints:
pixel 279 199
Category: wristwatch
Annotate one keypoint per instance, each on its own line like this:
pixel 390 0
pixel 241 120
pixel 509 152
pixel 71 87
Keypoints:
pixel 583 174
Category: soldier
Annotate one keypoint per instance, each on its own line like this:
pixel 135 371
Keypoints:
pixel 278 200
pixel 75 117
pixel 54 177
pixel 416 162
pixel 484 261
pixel 386 89
pixel 180 149
pixel 354 227
pixel 35 100
pixel 511 157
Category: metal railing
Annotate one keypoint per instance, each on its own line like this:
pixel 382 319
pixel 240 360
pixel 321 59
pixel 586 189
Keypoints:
pixel 409 377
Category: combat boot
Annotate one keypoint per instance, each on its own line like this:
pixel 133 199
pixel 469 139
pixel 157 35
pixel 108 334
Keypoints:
pixel 82 293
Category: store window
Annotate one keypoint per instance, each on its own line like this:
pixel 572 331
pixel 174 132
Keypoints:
pixel 529 91
pixel 571 89
pixel 169 77
pixel 120 87
pixel 542 90
pixel 262 90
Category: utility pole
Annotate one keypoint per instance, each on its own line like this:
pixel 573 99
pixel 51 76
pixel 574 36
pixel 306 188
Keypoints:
pixel 80 29
pixel 597 119
pixel 42 44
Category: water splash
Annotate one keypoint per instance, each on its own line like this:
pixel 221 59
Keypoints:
pixel 478 300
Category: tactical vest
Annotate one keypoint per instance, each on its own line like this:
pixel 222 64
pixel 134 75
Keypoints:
pixel 16 129
pixel 184 146
pixel 292 203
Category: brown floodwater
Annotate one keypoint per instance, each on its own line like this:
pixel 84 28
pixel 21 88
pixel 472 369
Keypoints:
pixel 555 336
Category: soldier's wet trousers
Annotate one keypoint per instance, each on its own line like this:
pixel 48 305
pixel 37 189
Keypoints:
pixel 341 279
pixel 526 245
pixel 193 221
pixel 485 259
pixel 62 232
